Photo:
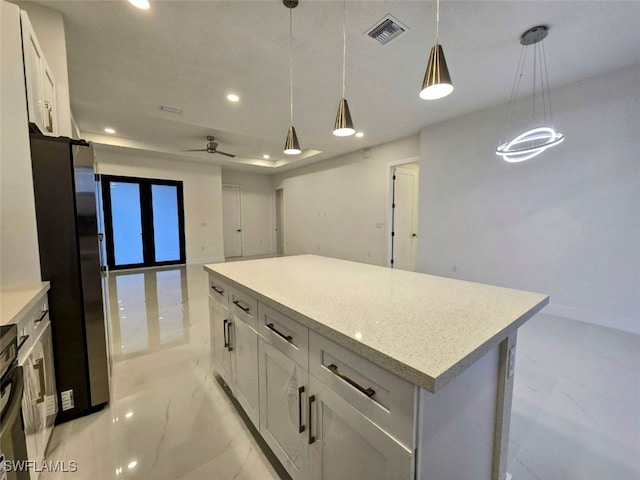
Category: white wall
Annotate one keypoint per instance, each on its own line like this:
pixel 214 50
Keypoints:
pixel 49 27
pixel 258 203
pixel 339 207
pixel 566 223
pixel 202 190
pixel 19 256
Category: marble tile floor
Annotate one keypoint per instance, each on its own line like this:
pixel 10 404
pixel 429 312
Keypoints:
pixel 576 407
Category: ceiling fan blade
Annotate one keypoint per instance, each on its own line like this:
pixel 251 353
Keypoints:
pixel 200 150
pixel 225 153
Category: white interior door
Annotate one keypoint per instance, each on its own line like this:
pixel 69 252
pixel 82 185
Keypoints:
pixel 279 222
pixel 232 220
pixel 405 218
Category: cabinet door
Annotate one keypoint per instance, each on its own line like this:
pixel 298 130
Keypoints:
pixel 49 99
pixel 33 72
pixel 283 392
pixel 345 444
pixel 33 422
pixel 50 406
pixel 244 358
pixel 219 318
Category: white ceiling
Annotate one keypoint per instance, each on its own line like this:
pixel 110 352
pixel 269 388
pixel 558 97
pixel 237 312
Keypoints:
pixel 125 63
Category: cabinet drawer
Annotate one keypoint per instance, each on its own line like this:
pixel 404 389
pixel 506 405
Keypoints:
pixel 244 306
pixel 32 323
pixel 384 398
pixel 218 290
pixel 285 334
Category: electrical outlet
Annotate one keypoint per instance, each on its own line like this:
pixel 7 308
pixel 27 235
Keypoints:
pixel 512 361
pixel 67 400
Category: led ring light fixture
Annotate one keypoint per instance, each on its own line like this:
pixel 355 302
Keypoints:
pixel 536 140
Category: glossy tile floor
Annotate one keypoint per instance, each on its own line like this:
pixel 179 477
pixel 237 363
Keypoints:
pixel 576 408
pixel 167 418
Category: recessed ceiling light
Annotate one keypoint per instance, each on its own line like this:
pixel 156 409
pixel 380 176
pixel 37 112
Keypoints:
pixel 266 157
pixel 109 130
pixel 359 134
pixel 232 97
pixel 141 4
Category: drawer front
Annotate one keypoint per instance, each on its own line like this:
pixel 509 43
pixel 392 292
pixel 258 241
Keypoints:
pixel 244 306
pixel 384 398
pixel 285 334
pixel 218 290
pixel 32 323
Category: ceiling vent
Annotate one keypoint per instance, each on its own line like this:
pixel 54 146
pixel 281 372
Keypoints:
pixel 386 30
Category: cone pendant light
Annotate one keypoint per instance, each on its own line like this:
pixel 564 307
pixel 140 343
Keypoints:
pixel 291 144
pixel 437 81
pixel 344 125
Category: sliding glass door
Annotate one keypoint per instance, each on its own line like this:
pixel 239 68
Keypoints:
pixel 144 222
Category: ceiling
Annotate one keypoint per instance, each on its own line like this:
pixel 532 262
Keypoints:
pixel 125 63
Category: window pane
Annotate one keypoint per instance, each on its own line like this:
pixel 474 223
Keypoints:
pixel 127 224
pixel 165 222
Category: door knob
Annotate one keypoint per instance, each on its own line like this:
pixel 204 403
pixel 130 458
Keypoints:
pixel 238 230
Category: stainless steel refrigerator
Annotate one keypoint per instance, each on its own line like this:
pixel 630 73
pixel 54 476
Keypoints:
pixel 65 189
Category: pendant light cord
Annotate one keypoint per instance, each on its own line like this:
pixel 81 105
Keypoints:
pixel 291 63
pixel 437 20
pixel 344 46
pixel 546 74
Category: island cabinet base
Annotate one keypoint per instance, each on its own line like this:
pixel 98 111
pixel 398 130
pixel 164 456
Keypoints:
pixel 462 431
pixel 335 405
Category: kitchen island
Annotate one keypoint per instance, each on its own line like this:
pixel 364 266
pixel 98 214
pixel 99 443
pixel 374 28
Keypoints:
pixel 357 371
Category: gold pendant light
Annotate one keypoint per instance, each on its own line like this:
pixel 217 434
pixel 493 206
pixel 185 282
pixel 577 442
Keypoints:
pixel 437 81
pixel 344 125
pixel 291 145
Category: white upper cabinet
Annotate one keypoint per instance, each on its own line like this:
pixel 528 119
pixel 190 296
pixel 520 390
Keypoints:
pixel 40 82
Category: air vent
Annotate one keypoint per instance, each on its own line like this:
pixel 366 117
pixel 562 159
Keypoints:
pixel 386 30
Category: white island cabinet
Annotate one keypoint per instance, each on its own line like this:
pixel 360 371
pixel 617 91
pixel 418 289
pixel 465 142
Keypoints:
pixel 363 372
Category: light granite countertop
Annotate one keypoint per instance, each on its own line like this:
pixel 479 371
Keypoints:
pixel 16 301
pixel 425 329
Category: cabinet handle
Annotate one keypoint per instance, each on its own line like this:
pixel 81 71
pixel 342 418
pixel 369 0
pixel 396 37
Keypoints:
pixel 229 347
pixel 312 438
pixel 224 332
pixel 39 366
pixel 23 340
pixel 218 289
pixel 300 425
pixel 288 338
pixel 49 108
pixel 246 309
pixel 41 317
pixel 369 392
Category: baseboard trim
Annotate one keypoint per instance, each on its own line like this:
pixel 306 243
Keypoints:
pixel 572 313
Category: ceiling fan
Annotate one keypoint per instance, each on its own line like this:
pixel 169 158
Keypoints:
pixel 212 147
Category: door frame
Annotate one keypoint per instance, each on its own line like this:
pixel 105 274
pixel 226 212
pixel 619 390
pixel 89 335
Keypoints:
pixel 241 208
pixel 146 219
pixel 389 230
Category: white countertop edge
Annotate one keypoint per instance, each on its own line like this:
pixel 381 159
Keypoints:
pixel 404 371
pixel 23 298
